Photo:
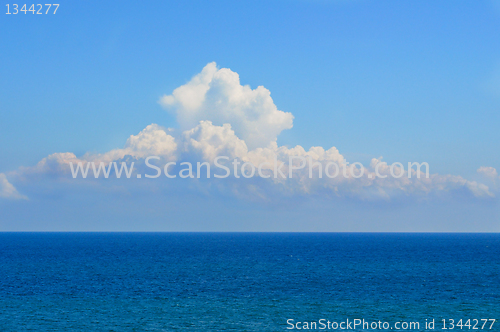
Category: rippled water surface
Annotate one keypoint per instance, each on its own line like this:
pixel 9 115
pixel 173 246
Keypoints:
pixel 242 281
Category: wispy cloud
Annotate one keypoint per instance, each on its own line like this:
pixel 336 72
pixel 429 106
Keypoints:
pixel 7 190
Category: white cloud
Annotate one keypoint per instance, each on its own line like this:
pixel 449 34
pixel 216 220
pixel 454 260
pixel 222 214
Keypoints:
pixel 54 164
pixel 210 141
pixel 206 141
pixel 221 117
pixel 151 141
pixel 216 95
pixel 7 190
pixel 490 175
pixel 489 172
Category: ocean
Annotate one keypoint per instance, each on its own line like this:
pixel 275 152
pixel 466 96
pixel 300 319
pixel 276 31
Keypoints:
pixel 246 281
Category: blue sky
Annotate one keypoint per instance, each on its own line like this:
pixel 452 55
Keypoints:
pixel 409 81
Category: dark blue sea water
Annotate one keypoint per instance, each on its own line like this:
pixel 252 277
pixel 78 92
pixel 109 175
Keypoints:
pixel 242 281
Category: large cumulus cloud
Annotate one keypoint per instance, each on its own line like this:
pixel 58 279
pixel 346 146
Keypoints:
pixel 220 117
pixel 217 95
